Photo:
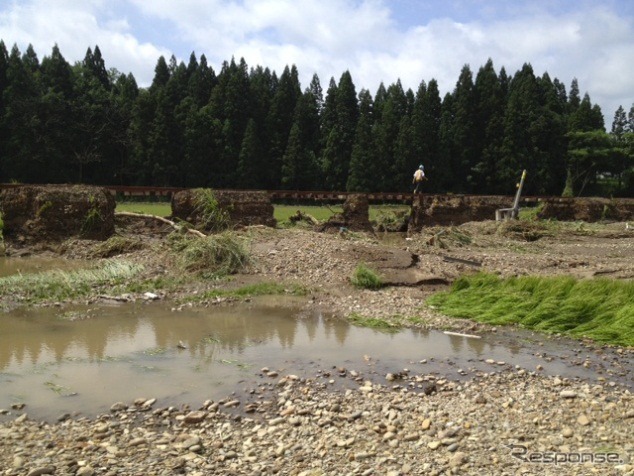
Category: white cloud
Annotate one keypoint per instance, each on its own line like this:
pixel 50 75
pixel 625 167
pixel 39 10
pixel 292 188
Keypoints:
pixel 591 43
pixel 75 26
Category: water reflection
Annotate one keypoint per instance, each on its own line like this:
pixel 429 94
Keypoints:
pixel 119 353
pixel 25 265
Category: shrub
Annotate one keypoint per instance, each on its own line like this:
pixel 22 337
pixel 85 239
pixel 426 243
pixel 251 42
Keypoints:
pixel 364 277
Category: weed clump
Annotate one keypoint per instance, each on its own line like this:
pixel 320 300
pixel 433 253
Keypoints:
pixel 364 277
pixel 212 216
pixel 213 256
pixel 116 245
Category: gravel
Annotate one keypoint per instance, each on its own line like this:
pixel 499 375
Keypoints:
pixel 488 423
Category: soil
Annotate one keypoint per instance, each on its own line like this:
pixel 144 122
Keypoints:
pixel 381 428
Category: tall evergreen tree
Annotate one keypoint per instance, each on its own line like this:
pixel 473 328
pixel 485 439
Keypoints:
pixel 464 131
pixel 364 170
pixel 386 130
pixel 24 160
pixel 280 121
pixel 488 127
pixel 340 137
pixel 250 167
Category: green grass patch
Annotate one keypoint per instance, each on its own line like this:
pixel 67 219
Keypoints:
pixel 116 245
pixel 282 212
pixel 159 209
pixel 364 277
pixel 322 213
pixel 259 289
pixel 600 309
pixel 213 256
pixel 372 323
pixel 61 285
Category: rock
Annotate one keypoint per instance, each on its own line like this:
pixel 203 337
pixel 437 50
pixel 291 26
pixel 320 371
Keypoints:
pixel 85 471
pixel 567 433
pixel 42 470
pixel 480 399
pixel 118 407
pixel 195 417
pixel 458 459
pixel 426 424
pixel 433 445
pixel 583 420
pixel 568 394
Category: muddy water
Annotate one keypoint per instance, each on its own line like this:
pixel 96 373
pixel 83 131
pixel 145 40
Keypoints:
pixel 85 359
pixel 26 265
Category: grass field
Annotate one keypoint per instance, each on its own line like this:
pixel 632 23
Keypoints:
pixel 161 209
pixel 280 212
pixel 600 309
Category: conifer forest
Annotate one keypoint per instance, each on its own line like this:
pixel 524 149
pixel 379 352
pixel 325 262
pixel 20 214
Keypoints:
pixel 247 127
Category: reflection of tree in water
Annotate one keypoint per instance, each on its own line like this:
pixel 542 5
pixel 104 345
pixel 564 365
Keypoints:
pixel 229 329
pixel 311 324
pixel 45 336
pixel 341 331
pixel 456 343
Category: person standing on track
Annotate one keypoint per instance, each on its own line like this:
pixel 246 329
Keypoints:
pixel 419 176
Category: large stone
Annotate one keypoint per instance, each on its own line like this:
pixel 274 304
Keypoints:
pixel 34 213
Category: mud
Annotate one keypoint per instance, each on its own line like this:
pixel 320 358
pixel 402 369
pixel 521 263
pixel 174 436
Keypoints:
pixel 355 216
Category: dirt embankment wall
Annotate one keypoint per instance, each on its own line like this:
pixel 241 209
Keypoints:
pixel 355 216
pixel 587 209
pixel 56 212
pixel 445 210
pixel 243 208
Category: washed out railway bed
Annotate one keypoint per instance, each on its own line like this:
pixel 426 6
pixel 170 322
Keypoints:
pixel 281 195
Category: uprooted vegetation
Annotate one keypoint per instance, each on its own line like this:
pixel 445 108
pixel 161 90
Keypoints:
pixel 213 256
pixel 58 285
pixel 600 309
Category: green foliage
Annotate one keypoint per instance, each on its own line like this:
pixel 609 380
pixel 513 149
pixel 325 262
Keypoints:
pixel 252 128
pixel 372 322
pixel 600 309
pixel 60 285
pixel 212 256
pixel 213 217
pixel 282 212
pixel 259 289
pixel 364 277
pixel 43 208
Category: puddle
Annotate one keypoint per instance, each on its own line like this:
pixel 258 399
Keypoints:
pixel 26 265
pixel 86 359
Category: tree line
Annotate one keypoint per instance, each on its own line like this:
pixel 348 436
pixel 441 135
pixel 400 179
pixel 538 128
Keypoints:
pixel 250 128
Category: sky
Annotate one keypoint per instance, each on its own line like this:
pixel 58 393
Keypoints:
pixel 376 40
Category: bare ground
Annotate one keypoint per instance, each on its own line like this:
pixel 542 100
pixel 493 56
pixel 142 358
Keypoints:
pixel 303 426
